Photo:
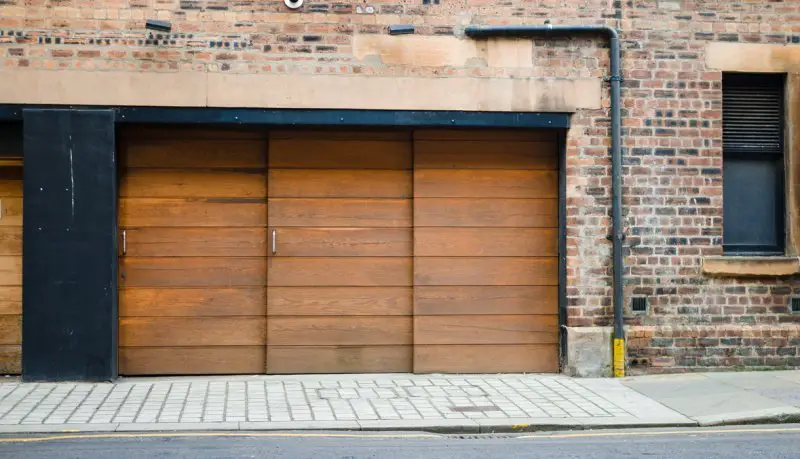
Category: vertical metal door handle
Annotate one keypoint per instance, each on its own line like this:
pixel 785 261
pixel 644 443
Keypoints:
pixel 124 242
pixel 274 242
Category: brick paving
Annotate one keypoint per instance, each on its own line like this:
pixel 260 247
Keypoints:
pixel 331 401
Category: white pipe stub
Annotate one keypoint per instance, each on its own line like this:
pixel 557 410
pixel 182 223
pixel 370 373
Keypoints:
pixel 293 4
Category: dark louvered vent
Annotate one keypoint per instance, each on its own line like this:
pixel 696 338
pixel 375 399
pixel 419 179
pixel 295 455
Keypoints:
pixel 752 113
pixel 639 304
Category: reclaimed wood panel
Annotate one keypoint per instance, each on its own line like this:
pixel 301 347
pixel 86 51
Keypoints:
pixel 490 242
pixel 343 242
pixel 193 183
pixel 193 278
pixel 10 300
pixel 339 301
pixel 10 187
pixel 194 242
pixel 338 359
pixel 193 360
pixel 484 300
pixel 489 213
pixel 327 183
pixel 11 329
pixel 10 270
pixel 471 154
pixel 195 153
pixel 489 183
pixel 335 212
pixel 10 359
pixel 192 272
pixel 339 331
pixel 192 302
pixel 485 251
pixel 487 358
pixel 11 240
pixel 485 271
pixel 11 212
pixel 220 212
pixel 486 329
pixel 339 154
pixel 192 331
pixel 340 272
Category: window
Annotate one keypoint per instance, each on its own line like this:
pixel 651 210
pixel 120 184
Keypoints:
pixel 752 146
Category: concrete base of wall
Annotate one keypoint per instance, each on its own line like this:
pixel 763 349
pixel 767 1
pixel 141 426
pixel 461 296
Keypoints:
pixel 588 352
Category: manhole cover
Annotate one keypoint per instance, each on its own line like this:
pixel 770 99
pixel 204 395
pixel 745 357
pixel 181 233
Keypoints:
pixel 474 409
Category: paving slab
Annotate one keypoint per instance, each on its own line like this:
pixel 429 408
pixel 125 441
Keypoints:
pixel 440 403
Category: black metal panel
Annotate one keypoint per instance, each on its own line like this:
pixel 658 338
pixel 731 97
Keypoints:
pixel 69 246
pixel 295 117
pixel 10 139
pixel 753 206
pixel 562 246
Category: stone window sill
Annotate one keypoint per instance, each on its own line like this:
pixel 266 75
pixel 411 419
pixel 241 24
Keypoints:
pixel 751 266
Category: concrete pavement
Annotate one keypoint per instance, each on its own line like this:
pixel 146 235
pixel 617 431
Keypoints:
pixel 435 403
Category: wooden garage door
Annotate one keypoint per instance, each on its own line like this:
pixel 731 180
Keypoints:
pixel 340 278
pixel 485 252
pixel 10 264
pixel 193 275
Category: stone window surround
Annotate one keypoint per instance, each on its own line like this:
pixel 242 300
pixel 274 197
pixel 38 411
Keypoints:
pixel 766 58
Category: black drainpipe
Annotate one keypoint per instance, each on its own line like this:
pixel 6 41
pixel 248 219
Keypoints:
pixel 617 236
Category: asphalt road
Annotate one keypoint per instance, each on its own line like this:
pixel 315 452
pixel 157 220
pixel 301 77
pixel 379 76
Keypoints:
pixel 750 442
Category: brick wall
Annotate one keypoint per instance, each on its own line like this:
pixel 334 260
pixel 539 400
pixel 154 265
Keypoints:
pixel 672 127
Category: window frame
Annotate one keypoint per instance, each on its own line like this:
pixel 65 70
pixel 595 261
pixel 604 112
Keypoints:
pixel 778 157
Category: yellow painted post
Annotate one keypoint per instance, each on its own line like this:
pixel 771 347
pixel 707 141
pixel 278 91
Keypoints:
pixel 619 357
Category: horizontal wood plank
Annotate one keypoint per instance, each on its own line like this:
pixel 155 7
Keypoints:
pixel 492 242
pixel 485 300
pixel 193 272
pixel 225 360
pixel 327 183
pixel 339 301
pixel 194 183
pixel 11 240
pixel 485 271
pixel 512 358
pixel 148 212
pixel 340 272
pixel 10 300
pixel 365 213
pixel 471 154
pixel 338 359
pixel 10 270
pixel 338 154
pixel 486 329
pixel 10 359
pixel 476 183
pixel 342 242
pixel 11 212
pixel 192 302
pixel 195 153
pixel 11 188
pixel 494 135
pixel 192 331
pixel 341 331
pixel 194 242
pixel 11 329
pixel 518 213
